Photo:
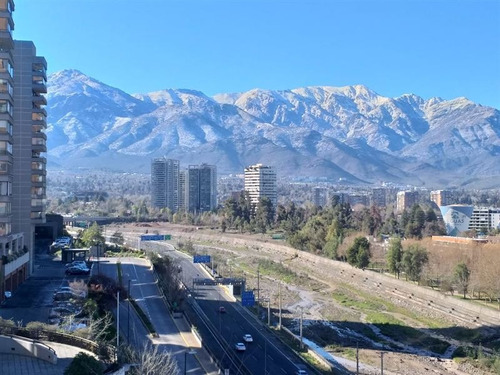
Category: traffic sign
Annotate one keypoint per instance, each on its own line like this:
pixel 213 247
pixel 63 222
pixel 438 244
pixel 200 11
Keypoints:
pixel 201 259
pixel 156 237
pixel 247 298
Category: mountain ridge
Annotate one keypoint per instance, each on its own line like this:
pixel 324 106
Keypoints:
pixel 348 132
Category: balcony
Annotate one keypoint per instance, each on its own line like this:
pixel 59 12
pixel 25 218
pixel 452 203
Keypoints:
pixel 40 87
pixel 13 265
pixel 39 110
pixel 37 217
pixel 39 100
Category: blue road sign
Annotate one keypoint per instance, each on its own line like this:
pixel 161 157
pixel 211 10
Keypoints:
pixel 247 298
pixel 201 259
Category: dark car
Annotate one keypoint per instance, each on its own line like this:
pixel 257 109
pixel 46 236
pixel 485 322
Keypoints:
pixel 222 309
pixel 77 271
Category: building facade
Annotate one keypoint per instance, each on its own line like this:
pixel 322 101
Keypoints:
pixel 165 183
pixel 441 197
pixel 405 200
pixel 22 146
pixel 378 197
pixel 484 218
pixel 201 188
pixel 260 181
pixel 320 196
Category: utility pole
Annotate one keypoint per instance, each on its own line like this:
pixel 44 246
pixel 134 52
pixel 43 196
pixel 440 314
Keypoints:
pixel 382 363
pixel 269 312
pixel 128 314
pixel 357 358
pixel 117 320
pixel 301 318
pixel 279 314
pixel 258 291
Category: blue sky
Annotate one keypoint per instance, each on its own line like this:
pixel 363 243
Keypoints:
pixel 430 48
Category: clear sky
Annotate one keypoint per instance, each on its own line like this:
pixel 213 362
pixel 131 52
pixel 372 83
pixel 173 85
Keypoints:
pixel 430 48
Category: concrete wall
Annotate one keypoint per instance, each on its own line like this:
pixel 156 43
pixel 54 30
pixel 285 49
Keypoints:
pixel 23 346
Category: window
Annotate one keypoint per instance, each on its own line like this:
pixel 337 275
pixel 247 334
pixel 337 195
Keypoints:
pixel 5 188
pixel 5 107
pixel 5 229
pixel 5 148
pixel 6 87
pixel 4 208
pixel 6 67
pixel 38 141
pixel 4 167
pixel 35 116
pixel 5 127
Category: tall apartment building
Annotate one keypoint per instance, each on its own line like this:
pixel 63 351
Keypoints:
pixel 260 181
pixel 182 189
pixel 29 183
pixel 165 183
pixel 378 197
pixel 405 200
pixel 441 197
pixel 320 196
pixel 22 143
pixel 201 188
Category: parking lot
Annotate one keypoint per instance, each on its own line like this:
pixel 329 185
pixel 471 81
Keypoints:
pixel 34 299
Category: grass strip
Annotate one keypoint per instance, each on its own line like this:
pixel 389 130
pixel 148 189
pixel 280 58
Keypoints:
pixel 145 320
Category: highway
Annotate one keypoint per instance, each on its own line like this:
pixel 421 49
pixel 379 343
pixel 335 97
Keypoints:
pixel 266 355
pixel 145 291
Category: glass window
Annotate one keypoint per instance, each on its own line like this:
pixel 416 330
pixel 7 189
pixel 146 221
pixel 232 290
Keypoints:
pixel 5 188
pixel 5 127
pixel 37 141
pixel 4 167
pixel 5 148
pixel 4 208
pixel 5 229
pixel 35 116
pixel 5 107
pixel 5 87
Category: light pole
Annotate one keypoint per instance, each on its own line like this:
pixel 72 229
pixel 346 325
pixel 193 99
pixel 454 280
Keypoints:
pixel 128 311
pixel 189 351
pixel 117 320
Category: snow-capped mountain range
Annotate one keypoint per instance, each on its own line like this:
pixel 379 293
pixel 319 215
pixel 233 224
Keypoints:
pixel 334 132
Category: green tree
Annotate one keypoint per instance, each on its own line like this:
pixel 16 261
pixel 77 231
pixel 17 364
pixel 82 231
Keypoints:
pixel 92 235
pixel 414 259
pixel 358 254
pixel 394 256
pixel 264 214
pixel 462 278
pixel 84 364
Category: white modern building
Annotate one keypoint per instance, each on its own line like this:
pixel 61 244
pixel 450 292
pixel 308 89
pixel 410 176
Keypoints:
pixel 260 181
pixel 485 218
pixel 456 218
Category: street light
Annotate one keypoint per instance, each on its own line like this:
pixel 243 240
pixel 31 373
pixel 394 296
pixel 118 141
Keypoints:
pixel 189 351
pixel 128 310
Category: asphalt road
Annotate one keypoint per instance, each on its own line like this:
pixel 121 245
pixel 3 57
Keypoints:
pixel 145 291
pixel 266 354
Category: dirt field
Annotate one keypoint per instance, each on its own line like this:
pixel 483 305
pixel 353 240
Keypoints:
pixel 344 307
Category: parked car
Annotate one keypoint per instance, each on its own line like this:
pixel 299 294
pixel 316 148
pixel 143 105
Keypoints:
pixel 222 309
pixel 248 338
pixel 240 347
pixel 77 271
pixel 77 263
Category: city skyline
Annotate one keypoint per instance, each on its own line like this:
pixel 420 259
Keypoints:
pixel 226 46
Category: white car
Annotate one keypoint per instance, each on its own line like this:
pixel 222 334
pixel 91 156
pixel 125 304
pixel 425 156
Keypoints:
pixel 247 338
pixel 240 347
